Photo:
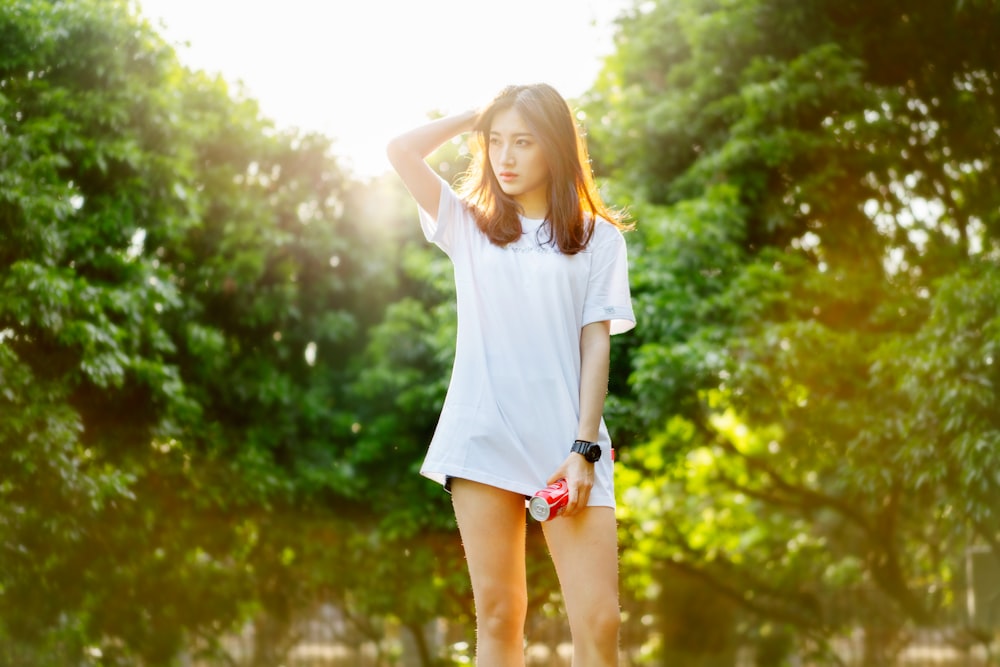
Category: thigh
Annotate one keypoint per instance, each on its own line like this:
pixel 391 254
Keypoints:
pixel 492 523
pixel 584 549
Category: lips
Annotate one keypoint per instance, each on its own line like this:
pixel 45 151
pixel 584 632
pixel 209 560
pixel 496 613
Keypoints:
pixel 507 175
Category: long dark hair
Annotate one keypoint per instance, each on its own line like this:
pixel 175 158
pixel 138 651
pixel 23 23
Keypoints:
pixel 574 201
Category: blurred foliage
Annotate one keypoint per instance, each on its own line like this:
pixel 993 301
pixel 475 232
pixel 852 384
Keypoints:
pixel 222 356
pixel 187 299
pixel 816 274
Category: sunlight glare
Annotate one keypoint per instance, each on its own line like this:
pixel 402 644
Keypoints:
pixel 362 71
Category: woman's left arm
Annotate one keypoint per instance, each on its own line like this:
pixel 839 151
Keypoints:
pixel 595 359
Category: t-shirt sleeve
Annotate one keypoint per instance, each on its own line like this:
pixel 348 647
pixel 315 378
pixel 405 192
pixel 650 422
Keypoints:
pixel 608 294
pixel 442 230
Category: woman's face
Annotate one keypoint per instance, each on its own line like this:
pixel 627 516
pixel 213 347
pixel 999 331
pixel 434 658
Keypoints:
pixel 518 163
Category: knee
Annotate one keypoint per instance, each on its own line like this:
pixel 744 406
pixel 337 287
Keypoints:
pixel 501 614
pixel 606 622
pixel 600 624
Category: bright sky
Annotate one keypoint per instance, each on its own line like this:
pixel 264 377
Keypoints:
pixel 361 71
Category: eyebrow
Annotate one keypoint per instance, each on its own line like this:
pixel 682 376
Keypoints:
pixel 516 134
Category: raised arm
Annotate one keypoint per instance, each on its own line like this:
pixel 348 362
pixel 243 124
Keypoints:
pixel 408 152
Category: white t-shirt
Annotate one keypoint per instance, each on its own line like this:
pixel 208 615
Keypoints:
pixel 513 403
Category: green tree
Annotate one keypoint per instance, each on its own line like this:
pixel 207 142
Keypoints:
pixel 815 367
pixel 182 286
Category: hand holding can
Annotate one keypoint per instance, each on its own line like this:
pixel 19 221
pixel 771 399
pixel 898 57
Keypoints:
pixel 547 504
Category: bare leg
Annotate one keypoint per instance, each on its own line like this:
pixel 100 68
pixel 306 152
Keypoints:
pixel 585 552
pixel 492 524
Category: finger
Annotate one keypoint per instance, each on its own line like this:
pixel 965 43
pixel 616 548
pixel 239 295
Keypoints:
pixel 570 502
pixel 582 497
pixel 578 495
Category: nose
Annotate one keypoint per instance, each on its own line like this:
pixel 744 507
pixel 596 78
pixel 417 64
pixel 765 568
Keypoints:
pixel 506 155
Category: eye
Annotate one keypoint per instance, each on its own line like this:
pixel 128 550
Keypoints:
pixel 523 142
pixel 494 141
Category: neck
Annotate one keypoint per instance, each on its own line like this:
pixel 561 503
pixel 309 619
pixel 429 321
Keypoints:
pixel 536 207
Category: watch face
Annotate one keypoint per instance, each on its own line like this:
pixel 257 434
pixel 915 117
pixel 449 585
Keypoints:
pixel 590 451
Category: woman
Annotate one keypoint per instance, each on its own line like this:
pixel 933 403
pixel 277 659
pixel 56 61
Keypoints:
pixel 541 274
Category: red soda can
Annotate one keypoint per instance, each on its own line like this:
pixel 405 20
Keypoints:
pixel 550 501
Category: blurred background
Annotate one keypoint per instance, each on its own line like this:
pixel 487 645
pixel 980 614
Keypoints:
pixel 224 342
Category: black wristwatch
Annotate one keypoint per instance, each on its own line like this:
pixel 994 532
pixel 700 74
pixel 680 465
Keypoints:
pixel 588 450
